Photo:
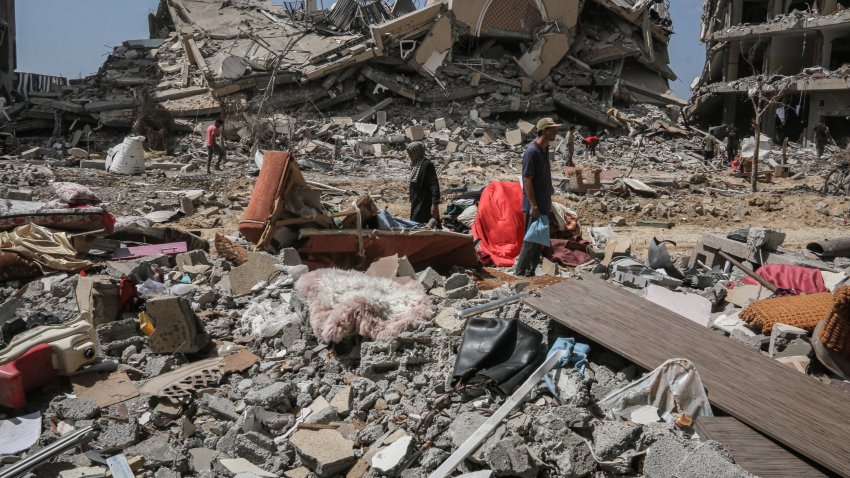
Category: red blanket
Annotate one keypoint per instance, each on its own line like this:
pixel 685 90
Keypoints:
pixel 499 223
pixel 784 276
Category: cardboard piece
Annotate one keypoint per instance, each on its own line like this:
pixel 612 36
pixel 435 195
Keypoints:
pixel 392 267
pixel 616 247
pixel 239 362
pixel 743 294
pixel 104 389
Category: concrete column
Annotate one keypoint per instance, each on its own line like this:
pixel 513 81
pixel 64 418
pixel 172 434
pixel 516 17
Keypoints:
pixel 736 12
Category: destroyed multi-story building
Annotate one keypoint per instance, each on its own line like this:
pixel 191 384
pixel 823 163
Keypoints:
pixel 797 48
pixel 8 50
pixel 529 56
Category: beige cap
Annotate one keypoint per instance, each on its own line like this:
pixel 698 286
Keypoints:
pixel 546 123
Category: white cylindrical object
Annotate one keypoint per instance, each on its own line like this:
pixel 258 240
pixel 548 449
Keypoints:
pixel 127 157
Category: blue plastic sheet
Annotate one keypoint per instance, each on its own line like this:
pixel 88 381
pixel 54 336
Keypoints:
pixel 386 221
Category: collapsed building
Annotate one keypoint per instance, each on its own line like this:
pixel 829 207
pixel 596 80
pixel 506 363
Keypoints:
pixel 208 58
pixel 798 48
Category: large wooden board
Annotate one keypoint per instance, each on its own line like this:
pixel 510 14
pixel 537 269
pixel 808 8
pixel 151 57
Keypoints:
pixel 753 451
pixel 805 415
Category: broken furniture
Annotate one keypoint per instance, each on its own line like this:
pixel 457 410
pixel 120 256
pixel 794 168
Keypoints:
pixel 350 248
pixel 742 382
pixel 281 198
pixel 39 355
pixel 584 180
pixel 706 252
pixel 831 337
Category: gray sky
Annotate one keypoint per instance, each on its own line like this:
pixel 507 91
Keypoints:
pixel 72 38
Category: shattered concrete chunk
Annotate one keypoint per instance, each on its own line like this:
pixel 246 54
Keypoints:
pixel 271 396
pixel 612 438
pixel 116 436
pixel 390 458
pixel 74 409
pixel 510 457
pixel 159 452
pixel 241 466
pixel 326 452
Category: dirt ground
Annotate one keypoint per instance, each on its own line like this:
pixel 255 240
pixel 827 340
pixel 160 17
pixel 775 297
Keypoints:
pixel 694 202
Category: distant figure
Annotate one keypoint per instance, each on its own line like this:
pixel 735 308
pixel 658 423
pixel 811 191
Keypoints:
pixel 591 142
pixel 821 134
pixel 212 145
pixel 732 144
pixel 571 146
pixel 424 186
pixel 708 148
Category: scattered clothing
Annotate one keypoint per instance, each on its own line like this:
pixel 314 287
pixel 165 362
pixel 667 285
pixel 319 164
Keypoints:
pixel 51 251
pixel 796 279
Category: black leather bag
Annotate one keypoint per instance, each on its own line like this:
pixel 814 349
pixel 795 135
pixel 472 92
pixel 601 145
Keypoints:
pixel 506 351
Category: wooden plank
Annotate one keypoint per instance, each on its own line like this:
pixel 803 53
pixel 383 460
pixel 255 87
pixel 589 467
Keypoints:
pixel 794 409
pixel 753 451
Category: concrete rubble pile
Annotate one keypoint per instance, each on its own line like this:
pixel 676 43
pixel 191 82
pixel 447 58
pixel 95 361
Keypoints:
pixel 204 59
pixel 238 382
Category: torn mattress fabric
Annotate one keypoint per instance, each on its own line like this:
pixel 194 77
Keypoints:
pixel 344 303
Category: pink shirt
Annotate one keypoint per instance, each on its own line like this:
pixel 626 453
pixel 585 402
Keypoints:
pixel 212 132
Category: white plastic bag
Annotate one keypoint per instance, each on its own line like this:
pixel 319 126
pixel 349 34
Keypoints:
pixel 265 319
pixel 150 288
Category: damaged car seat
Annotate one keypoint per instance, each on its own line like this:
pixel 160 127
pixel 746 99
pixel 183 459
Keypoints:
pixel 505 351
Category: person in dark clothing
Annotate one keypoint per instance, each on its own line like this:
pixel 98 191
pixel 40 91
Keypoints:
pixel 537 191
pixel 732 144
pixel 821 134
pixel 424 186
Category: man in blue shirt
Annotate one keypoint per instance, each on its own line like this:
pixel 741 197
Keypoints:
pixel 537 191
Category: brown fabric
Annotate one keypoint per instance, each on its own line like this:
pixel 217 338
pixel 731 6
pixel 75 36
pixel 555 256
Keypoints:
pixel 835 333
pixel 51 251
pixel 804 311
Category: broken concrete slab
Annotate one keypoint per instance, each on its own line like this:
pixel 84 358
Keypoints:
pixel 392 457
pixel 259 268
pixel 692 306
pixel 243 467
pixel 326 452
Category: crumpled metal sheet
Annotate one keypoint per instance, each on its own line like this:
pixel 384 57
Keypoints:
pixel 674 387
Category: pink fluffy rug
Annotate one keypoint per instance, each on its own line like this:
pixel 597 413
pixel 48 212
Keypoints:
pixel 343 303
